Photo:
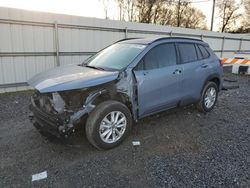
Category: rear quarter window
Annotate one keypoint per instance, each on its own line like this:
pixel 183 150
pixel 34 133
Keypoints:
pixel 187 52
pixel 204 52
pixel 199 54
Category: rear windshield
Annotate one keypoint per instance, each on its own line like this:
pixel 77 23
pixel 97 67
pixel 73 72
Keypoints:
pixel 115 57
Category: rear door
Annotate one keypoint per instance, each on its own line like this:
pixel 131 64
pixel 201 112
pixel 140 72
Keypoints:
pixel 195 70
pixel 158 77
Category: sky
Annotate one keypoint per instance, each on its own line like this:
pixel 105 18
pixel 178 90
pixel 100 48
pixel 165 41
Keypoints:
pixel 206 7
pixel 88 8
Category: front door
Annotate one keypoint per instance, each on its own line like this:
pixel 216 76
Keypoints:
pixel 158 79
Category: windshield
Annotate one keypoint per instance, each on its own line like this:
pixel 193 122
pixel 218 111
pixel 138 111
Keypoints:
pixel 115 57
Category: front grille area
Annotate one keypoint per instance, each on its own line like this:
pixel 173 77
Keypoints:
pixel 42 117
pixel 44 102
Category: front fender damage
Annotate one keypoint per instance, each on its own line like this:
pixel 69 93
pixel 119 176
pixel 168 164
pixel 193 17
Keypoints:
pixel 86 108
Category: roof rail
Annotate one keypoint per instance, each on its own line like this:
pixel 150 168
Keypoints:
pixel 186 38
pixel 155 39
pixel 127 39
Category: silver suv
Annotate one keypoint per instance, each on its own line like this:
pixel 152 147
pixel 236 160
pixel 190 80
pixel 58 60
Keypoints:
pixel 122 83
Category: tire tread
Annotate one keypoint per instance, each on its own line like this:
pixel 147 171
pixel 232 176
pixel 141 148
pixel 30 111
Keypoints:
pixel 200 105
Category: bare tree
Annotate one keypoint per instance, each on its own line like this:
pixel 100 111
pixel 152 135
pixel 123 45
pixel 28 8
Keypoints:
pixel 130 7
pixel 194 19
pixel 145 10
pixel 167 14
pixel 181 7
pixel 152 11
pixel 105 4
pixel 247 12
pixel 157 11
pixel 228 12
pixel 245 22
pixel 120 5
pixel 178 13
pixel 188 16
pixel 122 9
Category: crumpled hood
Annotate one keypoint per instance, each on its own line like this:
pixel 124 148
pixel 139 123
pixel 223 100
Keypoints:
pixel 70 77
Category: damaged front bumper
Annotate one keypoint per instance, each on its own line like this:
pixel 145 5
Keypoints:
pixel 55 124
pixel 60 124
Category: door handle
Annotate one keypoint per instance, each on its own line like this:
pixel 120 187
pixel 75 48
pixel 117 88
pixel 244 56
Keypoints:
pixel 145 73
pixel 204 65
pixel 177 71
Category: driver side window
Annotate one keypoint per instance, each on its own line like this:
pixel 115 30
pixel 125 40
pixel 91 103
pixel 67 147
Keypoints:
pixel 160 56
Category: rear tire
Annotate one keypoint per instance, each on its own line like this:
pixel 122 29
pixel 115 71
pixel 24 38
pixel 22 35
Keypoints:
pixel 208 97
pixel 108 124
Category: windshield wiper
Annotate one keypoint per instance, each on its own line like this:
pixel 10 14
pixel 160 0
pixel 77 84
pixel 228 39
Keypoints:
pixel 93 67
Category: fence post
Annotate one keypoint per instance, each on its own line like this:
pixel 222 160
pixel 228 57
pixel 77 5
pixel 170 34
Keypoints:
pixel 126 32
pixel 222 46
pixel 240 46
pixel 171 33
pixel 56 43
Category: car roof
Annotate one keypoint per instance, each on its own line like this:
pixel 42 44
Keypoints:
pixel 147 41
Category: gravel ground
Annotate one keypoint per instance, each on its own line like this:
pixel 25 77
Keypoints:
pixel 179 148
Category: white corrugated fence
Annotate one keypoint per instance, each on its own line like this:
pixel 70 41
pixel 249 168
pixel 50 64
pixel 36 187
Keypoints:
pixel 31 42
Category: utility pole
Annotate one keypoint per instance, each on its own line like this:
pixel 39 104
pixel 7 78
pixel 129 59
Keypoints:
pixel 178 16
pixel 212 19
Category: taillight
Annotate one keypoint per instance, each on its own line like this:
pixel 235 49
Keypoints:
pixel 221 62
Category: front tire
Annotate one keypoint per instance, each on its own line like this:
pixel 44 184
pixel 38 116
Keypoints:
pixel 208 97
pixel 108 124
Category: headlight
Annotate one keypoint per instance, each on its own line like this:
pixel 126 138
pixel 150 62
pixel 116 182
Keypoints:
pixel 58 102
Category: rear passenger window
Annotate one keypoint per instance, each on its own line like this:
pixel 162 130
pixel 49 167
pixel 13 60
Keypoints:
pixel 204 52
pixel 160 56
pixel 187 52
